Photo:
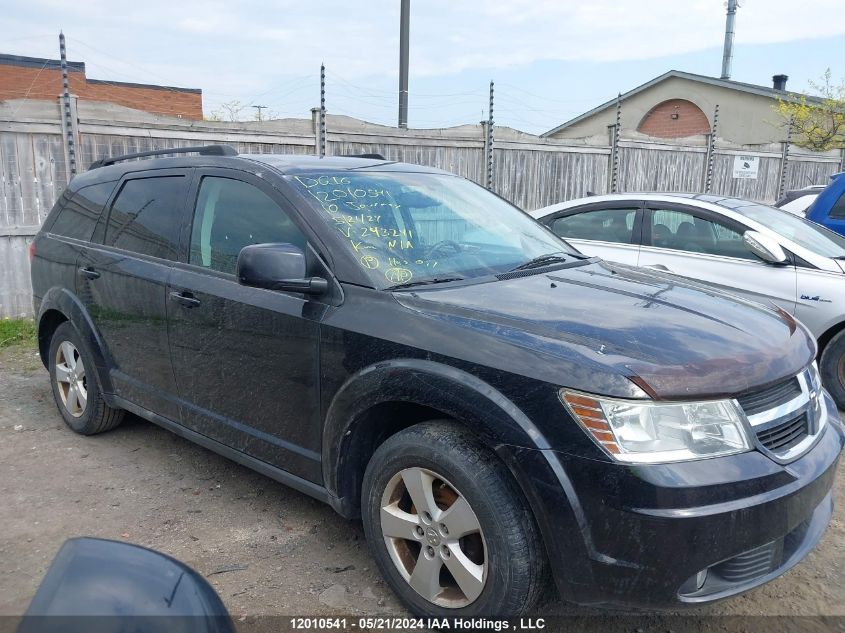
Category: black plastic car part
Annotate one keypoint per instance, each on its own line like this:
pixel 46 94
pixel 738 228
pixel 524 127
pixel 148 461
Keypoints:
pixel 202 150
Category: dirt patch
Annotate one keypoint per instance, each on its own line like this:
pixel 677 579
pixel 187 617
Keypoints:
pixel 266 548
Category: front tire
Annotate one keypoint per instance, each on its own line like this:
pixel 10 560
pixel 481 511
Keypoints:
pixel 832 368
pixel 448 526
pixel 73 378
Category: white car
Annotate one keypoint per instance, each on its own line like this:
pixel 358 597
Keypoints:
pixel 742 247
pixel 798 201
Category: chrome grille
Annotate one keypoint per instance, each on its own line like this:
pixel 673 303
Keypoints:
pixel 772 397
pixel 786 417
pixel 786 435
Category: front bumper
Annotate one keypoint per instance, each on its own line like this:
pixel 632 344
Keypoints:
pixel 642 535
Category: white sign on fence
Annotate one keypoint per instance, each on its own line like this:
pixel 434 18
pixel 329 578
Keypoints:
pixel 746 166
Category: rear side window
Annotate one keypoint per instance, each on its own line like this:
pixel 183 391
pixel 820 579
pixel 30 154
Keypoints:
pixel 79 216
pixel 605 225
pixel 146 215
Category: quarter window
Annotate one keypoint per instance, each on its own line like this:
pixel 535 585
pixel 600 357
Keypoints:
pixel 604 225
pixel 146 215
pixel 231 214
pixel 79 216
pixel 685 232
pixel 838 209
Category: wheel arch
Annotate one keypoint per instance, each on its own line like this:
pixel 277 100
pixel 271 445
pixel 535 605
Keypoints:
pixel 362 415
pixel 385 398
pixel 60 305
pixel 828 335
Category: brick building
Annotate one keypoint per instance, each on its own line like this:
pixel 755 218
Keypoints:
pixel 678 104
pixel 39 78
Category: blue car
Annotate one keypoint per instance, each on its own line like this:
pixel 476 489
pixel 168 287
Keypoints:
pixel 829 208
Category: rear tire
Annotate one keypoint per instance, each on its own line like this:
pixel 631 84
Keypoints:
pixel 832 368
pixel 76 389
pixel 474 550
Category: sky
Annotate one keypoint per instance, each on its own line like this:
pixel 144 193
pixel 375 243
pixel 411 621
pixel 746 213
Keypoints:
pixel 550 59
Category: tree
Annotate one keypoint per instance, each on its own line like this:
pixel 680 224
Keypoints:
pixel 228 111
pixel 818 125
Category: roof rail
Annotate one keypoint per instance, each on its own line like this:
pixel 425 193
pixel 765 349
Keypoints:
pixel 202 150
pixel 371 156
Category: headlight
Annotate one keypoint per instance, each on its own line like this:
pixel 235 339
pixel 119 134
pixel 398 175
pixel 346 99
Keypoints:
pixel 815 378
pixel 650 432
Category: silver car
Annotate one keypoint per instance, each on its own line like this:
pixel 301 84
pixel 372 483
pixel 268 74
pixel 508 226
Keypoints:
pixel 759 252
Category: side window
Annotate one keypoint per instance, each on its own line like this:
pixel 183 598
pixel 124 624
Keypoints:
pixel 79 216
pixel 231 214
pixel 146 214
pixel 685 232
pixel 606 225
pixel 837 211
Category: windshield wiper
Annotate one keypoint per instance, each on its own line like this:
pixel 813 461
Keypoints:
pixel 543 260
pixel 424 282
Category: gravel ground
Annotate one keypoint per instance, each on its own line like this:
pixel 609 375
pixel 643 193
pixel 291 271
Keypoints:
pixel 266 549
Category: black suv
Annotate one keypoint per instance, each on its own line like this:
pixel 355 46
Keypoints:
pixel 415 351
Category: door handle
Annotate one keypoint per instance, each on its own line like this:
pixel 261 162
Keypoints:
pixel 658 267
pixel 89 272
pixel 185 298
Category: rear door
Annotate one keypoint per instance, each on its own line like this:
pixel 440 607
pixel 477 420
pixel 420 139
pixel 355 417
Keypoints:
pixel 708 247
pixel 122 283
pixel 245 359
pixel 610 230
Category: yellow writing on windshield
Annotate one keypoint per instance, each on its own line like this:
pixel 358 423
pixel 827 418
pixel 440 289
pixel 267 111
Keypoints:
pixel 368 217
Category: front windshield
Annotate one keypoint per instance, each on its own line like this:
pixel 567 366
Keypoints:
pixel 413 227
pixel 803 232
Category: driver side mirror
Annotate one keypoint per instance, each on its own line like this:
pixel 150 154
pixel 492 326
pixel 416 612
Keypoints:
pixel 764 247
pixel 277 267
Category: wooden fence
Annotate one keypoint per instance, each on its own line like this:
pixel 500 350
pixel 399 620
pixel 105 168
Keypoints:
pixel 530 171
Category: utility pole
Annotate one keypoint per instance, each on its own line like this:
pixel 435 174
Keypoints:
pixel 727 55
pixel 259 108
pixel 68 115
pixel 404 34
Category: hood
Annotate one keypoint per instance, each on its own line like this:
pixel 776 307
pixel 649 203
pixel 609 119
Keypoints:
pixel 672 340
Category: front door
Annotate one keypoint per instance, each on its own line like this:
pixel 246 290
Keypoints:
pixel 245 359
pixel 699 245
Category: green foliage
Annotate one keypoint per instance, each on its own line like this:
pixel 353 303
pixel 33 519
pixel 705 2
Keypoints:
pixel 13 331
pixel 818 126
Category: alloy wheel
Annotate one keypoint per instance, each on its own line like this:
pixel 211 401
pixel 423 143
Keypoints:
pixel 434 538
pixel 70 379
